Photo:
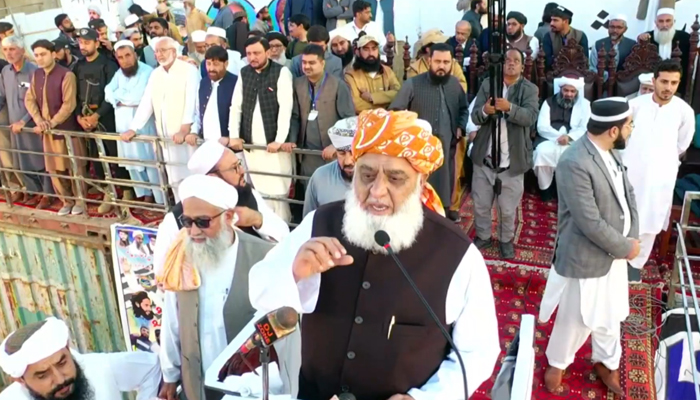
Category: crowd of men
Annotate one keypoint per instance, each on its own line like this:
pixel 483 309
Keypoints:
pixel 389 158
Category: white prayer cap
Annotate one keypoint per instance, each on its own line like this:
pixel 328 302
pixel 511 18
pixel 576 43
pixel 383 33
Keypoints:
pixel 211 189
pixel 52 337
pixel 343 33
pixel 95 8
pixel 216 31
pixel 130 20
pixel 199 36
pixel 577 83
pixel 138 233
pixel 342 133
pixel 123 43
pixel 646 79
pixel 620 17
pixel 205 157
pixel 666 11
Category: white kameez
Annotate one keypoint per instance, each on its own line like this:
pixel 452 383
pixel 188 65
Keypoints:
pixel 176 156
pixel 660 136
pixel 211 127
pixel 261 160
pixel 109 375
pixel 594 306
pixel 216 283
pixel 469 308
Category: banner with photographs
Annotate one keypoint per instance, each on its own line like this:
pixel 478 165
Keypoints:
pixel 140 299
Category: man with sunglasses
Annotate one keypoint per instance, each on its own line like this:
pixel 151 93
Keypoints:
pixel 198 324
pixel 254 216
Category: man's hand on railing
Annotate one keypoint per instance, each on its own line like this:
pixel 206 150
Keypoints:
pixel 41 127
pixel 328 153
pixel 179 138
pixel 288 147
pixel 274 147
pixel 232 143
pixel 127 136
pixel 191 139
pixel 17 126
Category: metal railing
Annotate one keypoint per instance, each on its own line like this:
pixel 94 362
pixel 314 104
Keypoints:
pixel 111 183
pixel 682 276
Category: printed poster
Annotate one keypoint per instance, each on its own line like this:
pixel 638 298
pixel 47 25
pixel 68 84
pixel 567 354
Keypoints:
pixel 140 299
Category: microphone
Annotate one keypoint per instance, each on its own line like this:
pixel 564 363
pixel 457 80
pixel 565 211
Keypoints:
pixel 382 239
pixel 270 328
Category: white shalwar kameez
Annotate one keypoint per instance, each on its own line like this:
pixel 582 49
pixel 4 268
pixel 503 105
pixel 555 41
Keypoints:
pixel 109 375
pixel 262 160
pixel 469 308
pixel 660 136
pixel 589 307
pixel 547 154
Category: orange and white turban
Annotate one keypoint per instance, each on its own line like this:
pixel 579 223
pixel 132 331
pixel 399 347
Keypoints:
pixel 401 134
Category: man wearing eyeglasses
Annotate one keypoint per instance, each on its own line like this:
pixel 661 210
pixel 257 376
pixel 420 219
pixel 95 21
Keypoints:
pixel 198 324
pixel 217 37
pixel 253 215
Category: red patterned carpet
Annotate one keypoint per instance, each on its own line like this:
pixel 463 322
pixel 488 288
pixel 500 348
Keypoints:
pixel 518 286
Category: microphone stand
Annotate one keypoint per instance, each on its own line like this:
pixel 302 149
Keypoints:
pixel 265 364
pixel 496 17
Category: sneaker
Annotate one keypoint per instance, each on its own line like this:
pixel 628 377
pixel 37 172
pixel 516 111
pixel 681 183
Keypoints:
pixel 507 250
pixel 65 210
pixel 482 244
pixel 77 210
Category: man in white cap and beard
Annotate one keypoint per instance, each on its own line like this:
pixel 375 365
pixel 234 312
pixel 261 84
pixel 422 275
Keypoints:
pixel 39 360
pixel 254 216
pixel 597 233
pixel 646 85
pixel 217 37
pixel 616 40
pixel 205 278
pixel 199 40
pixel 332 181
pixel 562 120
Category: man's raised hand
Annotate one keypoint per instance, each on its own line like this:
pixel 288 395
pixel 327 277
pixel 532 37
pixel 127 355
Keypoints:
pixel 318 255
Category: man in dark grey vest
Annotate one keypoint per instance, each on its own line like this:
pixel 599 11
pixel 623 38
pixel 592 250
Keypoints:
pixel 208 305
pixel 320 100
pixel 437 97
pixel 616 39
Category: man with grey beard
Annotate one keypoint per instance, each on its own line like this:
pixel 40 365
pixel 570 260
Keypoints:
pixel 562 120
pixel 42 366
pixel 220 258
pixel 383 344
pixel 665 36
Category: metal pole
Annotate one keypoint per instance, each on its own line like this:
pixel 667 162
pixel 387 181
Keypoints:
pixel 75 173
pixel 265 363
pixel 162 174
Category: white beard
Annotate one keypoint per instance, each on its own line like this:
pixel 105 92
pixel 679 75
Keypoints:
pixel 169 61
pixel 207 256
pixel 403 226
pixel 664 37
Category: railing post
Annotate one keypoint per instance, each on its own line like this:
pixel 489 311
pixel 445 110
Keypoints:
pixel 108 171
pixel 74 175
pixel 162 174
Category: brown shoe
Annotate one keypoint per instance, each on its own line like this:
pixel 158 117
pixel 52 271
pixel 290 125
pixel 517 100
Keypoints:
pixel 31 201
pixel 17 197
pixel 611 379
pixel 552 379
pixel 44 203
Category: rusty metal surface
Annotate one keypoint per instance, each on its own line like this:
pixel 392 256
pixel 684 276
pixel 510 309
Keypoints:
pixel 42 274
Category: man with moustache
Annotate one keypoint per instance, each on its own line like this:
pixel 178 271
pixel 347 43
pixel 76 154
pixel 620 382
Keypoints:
pixel 171 97
pixel 217 37
pixel 106 46
pixel 616 40
pixel 320 100
pixel 562 120
pixel 515 34
pixel 215 95
pixel 372 84
pixel 64 57
pixel 560 32
pixel 422 62
pixel 438 98
pixel 665 36
pixel 664 129
pixel 278 46
pixel 94 113
pixel 341 46
pixel 462 40
pixel 332 181
pixel 204 312
pixel 597 233
pixel 382 348
pixel 68 32
pixel 318 36
pixel 124 93
pixel 224 18
pixel 39 360
pixel 199 46
pixel 646 85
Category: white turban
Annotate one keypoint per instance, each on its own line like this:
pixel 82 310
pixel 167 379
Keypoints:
pixel 646 79
pixel 130 20
pixel 123 43
pixel 51 338
pixel 579 84
pixel 342 133
pixel 199 36
pixel 205 157
pixel 216 31
pixel 344 33
pixel 213 190
pixel 620 17
pixel 95 8
pixel 666 11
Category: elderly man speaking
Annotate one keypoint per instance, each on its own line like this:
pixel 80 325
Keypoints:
pixel 39 360
pixel 383 344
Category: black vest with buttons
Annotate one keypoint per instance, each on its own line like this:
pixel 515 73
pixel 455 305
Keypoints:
pixel 260 87
pixel 344 341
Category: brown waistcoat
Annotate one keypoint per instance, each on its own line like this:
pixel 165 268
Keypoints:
pixel 558 41
pixel 54 95
pixel 325 105
pixel 522 44
pixel 237 313
pixel 344 341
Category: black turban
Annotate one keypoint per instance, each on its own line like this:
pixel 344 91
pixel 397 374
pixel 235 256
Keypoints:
pixel 518 16
pixel 563 13
pixel 277 36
